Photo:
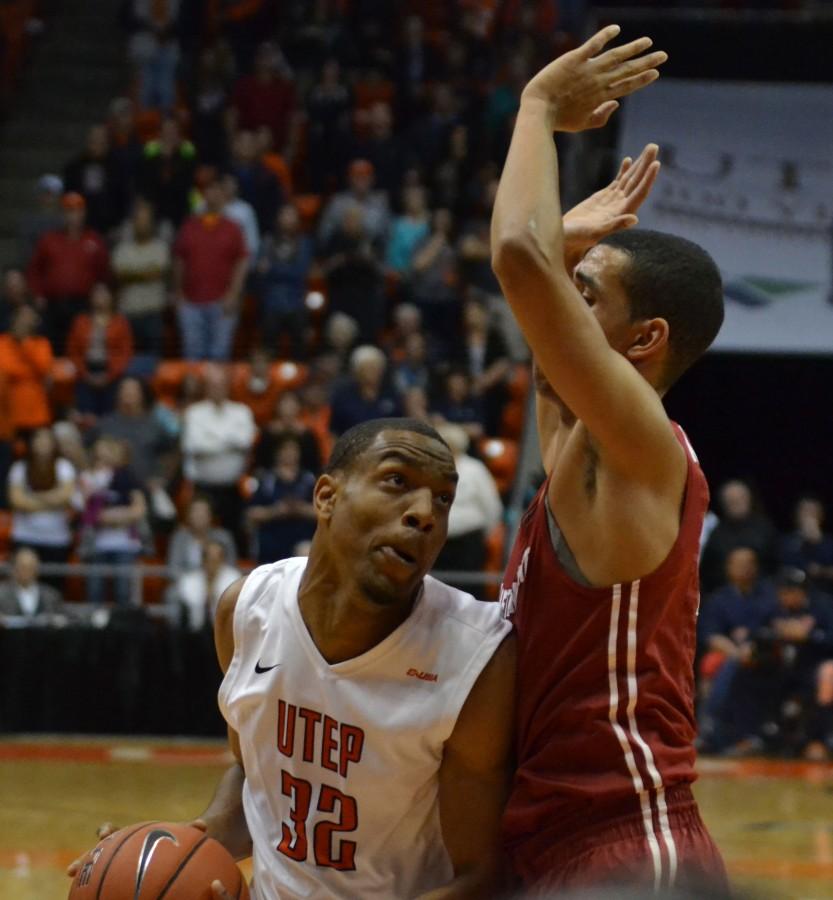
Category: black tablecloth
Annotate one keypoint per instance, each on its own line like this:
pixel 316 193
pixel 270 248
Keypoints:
pixel 136 676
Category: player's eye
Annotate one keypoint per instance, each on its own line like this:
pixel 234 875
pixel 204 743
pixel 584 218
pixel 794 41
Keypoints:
pixel 446 499
pixel 395 478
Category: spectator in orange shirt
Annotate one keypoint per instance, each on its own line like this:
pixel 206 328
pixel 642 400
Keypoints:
pixel 65 266
pixel 100 346
pixel 25 362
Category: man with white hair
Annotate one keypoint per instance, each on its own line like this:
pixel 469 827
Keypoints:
pixel 365 395
pixel 477 509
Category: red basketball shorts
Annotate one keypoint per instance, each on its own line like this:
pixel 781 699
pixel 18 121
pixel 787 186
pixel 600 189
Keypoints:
pixel 619 853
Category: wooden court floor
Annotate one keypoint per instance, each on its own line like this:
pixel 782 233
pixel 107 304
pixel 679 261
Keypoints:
pixel 772 820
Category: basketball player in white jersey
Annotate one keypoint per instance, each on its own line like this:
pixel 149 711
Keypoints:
pixel 369 705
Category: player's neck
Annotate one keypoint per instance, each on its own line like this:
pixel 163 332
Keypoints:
pixel 342 622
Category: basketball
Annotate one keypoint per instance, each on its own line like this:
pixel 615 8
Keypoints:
pixel 154 859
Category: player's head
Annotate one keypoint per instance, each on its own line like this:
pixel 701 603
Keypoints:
pixel 658 297
pixel 383 504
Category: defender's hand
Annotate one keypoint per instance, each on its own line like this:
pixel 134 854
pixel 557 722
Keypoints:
pixel 579 89
pixel 614 207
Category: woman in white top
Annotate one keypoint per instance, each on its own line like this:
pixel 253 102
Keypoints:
pixel 41 487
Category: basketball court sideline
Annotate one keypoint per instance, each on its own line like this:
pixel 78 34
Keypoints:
pixel 770 818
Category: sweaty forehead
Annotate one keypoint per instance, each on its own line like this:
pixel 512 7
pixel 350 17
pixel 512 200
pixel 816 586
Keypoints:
pixel 604 263
pixel 414 449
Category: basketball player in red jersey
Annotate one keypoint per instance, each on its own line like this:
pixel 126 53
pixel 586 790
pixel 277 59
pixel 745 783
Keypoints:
pixel 602 582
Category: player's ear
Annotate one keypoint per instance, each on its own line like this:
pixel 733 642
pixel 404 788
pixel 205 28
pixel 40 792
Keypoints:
pixel 650 336
pixel 324 495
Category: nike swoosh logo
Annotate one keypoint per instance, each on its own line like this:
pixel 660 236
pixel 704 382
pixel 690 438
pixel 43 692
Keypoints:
pixel 148 848
pixel 261 669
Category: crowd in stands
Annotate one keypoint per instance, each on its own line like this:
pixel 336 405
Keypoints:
pixel 280 230
pixel 766 630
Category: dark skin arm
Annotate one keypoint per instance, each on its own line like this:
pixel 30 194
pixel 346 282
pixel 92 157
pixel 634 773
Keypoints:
pixel 224 819
pixel 474 780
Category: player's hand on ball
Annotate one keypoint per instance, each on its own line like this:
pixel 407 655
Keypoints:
pixel 581 88
pixel 106 829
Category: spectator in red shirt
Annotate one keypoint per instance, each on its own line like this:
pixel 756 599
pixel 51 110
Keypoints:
pixel 210 265
pixel 266 97
pixel 65 267
pixel 100 345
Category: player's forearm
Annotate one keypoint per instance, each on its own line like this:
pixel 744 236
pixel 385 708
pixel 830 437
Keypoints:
pixel 225 818
pixel 527 212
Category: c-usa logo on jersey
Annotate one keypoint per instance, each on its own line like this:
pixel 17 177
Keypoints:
pixel 509 596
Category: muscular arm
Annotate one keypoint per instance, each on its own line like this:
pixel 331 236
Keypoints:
pixel 224 816
pixel 474 780
pixel 598 385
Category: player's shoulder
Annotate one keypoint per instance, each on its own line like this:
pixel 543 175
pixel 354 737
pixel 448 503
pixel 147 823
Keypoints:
pixel 456 608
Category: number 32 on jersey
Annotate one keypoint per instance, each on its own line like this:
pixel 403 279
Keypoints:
pixel 328 849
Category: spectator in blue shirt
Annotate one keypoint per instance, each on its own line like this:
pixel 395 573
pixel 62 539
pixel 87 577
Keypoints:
pixel 280 512
pixel 282 270
pixel 409 229
pixel 774 696
pixel 729 621
pixel 808 547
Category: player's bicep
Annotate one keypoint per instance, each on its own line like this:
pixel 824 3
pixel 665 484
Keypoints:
pixel 224 623
pixel 476 768
pixel 598 385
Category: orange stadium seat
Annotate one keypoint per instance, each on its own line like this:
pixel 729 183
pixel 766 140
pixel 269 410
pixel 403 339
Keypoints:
pixel 495 541
pixel 154 586
pixel 289 375
pixel 169 377
pixel 514 413
pixel 62 383
pixel 5 532
pixel 308 206
pixel 501 458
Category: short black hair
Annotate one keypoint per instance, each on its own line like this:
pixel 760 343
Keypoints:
pixel 674 279
pixel 353 443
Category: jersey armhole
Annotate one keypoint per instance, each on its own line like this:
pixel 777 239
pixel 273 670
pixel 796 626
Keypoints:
pixel 478 662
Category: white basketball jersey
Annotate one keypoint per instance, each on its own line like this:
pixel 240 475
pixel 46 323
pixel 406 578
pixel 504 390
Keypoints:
pixel 342 761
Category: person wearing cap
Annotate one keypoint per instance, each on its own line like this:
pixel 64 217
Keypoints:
pixel 66 264
pixel 210 267
pixel 46 216
pixel 359 193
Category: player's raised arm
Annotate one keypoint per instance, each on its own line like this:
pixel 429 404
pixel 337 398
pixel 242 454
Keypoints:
pixel 593 376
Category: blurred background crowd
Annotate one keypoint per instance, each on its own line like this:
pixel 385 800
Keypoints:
pixel 281 229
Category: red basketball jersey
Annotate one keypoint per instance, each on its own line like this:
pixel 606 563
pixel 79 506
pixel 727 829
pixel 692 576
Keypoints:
pixel 605 691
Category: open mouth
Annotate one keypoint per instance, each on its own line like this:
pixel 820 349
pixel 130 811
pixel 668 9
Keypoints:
pixel 398 555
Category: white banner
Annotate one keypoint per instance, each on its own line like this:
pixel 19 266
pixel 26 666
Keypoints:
pixel 748 175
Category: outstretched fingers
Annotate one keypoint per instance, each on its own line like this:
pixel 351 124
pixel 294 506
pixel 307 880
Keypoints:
pixel 618 55
pixel 594 45
pixel 634 83
pixel 636 172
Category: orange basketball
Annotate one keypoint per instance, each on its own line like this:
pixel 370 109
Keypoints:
pixel 153 860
